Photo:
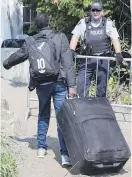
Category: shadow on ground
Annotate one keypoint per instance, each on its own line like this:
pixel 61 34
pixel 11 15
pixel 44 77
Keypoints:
pixel 54 145
pixel 18 84
pixel 32 142
pixel 122 171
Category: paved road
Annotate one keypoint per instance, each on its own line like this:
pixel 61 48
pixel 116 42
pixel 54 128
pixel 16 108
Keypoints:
pixel 25 132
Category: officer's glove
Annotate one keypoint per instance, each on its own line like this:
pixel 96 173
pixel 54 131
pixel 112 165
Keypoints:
pixel 6 64
pixel 119 58
pixel 74 54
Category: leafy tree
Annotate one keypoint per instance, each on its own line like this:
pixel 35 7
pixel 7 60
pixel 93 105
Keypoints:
pixel 69 12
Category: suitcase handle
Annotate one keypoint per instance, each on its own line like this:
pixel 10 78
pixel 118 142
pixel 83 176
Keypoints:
pixel 107 166
pixel 72 97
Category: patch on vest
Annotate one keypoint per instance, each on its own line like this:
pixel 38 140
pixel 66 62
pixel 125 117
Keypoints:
pixel 96 32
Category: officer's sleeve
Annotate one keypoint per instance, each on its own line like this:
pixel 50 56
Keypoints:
pixel 77 30
pixel 18 57
pixel 111 30
pixel 67 61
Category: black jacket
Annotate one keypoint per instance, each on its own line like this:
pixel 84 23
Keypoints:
pixel 63 51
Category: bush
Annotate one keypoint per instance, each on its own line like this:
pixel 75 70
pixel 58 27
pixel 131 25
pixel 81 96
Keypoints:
pixel 8 165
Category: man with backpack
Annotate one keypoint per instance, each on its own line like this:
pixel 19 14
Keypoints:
pixel 51 73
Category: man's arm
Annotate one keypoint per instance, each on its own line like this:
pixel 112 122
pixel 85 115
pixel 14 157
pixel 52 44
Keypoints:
pixel 68 64
pixel 116 44
pixel 77 33
pixel 117 47
pixel 18 57
pixel 74 42
pixel 113 34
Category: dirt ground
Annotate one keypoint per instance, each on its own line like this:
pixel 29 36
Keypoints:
pixel 24 133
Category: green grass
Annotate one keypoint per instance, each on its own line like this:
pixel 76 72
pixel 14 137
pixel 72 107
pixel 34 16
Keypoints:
pixel 8 165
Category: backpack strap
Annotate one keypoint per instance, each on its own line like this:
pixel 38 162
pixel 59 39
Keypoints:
pixel 51 35
pixel 38 35
pixel 42 34
pixel 87 21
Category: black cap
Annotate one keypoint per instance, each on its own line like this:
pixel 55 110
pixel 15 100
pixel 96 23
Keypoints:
pixel 97 5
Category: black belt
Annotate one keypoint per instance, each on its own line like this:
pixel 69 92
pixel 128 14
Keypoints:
pixel 102 54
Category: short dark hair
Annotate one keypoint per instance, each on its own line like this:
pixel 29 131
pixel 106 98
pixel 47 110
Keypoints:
pixel 42 20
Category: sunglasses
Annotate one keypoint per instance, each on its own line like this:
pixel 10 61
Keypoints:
pixel 96 10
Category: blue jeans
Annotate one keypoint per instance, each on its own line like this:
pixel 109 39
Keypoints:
pixel 58 91
pixel 101 77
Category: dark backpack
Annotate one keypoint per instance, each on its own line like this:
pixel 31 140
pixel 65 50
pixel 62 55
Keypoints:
pixel 44 65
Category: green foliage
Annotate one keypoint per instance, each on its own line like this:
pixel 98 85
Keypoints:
pixel 32 30
pixel 118 87
pixel 8 165
pixel 112 88
pixel 92 89
pixel 67 15
pixel 126 100
pixel 69 12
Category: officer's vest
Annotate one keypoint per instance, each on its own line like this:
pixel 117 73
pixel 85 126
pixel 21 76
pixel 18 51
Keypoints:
pixel 96 37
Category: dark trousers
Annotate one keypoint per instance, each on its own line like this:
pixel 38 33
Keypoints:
pixel 102 73
pixel 58 91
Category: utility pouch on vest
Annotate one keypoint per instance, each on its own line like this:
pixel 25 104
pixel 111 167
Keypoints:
pixel 86 48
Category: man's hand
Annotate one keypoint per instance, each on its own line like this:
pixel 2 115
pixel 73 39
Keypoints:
pixel 119 58
pixel 6 65
pixel 72 92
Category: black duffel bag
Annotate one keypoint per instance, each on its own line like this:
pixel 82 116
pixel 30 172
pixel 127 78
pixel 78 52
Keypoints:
pixel 92 135
pixel 12 43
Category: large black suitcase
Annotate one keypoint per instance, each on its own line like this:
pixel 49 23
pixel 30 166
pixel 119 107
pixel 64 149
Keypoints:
pixel 92 135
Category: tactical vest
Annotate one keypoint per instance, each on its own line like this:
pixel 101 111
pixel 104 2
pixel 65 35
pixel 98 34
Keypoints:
pixel 96 38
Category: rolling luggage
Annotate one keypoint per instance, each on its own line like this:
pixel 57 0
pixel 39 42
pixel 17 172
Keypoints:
pixel 92 135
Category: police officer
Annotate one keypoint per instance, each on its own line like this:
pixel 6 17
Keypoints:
pixel 97 33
